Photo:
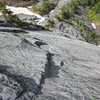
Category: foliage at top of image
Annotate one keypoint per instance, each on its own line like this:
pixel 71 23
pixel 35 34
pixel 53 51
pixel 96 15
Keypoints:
pixel 2 6
pixel 13 19
pixel 68 10
pixel 19 2
pixel 89 2
pixel 10 17
pixel 96 8
pixel 72 8
pixel 92 15
pixel 44 7
pixel 92 10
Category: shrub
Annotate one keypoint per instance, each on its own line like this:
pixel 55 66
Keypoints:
pixel 45 7
pixel 26 3
pixel 92 15
pixel 49 24
pixel 89 2
pixel 92 8
pixel 73 7
pixel 2 6
pixel 13 19
pixel 68 10
pixel 65 13
pixel 92 37
pixel 19 2
pixel 96 8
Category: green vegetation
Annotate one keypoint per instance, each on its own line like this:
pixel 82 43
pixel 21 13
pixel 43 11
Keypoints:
pixel 50 24
pixel 19 2
pixel 68 10
pixel 45 7
pixel 2 6
pixel 92 37
pixel 13 19
pixel 89 2
pixel 26 3
pixel 92 15
pixel 96 8
pixel 10 17
pixel 92 10
pixel 79 24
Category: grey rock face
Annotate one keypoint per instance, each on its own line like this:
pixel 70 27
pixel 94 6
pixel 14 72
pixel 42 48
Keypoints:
pixel 3 22
pixel 28 18
pixel 8 86
pixel 42 66
pixel 68 29
pixel 60 4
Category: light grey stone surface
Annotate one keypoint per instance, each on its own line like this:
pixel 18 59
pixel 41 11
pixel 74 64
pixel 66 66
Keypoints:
pixel 28 18
pixel 68 29
pixel 42 65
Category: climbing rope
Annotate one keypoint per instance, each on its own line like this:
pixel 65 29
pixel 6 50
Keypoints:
pixel 80 83
pixel 82 86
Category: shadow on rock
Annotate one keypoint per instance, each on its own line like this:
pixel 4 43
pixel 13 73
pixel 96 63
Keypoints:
pixel 28 84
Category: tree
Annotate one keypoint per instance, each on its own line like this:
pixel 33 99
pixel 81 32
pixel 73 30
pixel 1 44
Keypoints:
pixel 96 8
pixel 2 6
